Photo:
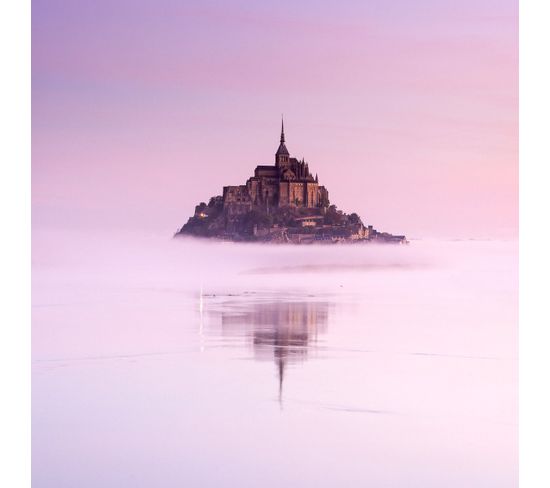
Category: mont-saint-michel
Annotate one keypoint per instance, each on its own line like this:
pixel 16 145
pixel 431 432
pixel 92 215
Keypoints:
pixel 281 203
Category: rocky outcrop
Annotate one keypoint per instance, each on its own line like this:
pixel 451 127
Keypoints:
pixel 288 224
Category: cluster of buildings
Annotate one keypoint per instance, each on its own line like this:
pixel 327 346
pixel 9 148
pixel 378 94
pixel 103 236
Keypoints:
pixel 282 202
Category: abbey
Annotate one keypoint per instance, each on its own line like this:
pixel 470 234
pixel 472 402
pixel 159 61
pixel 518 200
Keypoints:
pixel 286 183
pixel 281 203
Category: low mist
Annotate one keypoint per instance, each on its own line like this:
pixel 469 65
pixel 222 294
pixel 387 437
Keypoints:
pixel 132 259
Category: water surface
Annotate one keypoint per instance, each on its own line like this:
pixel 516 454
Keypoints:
pixel 159 363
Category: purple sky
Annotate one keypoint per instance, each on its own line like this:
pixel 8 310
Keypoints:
pixel 408 111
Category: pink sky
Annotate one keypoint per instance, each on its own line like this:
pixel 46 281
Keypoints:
pixel 408 111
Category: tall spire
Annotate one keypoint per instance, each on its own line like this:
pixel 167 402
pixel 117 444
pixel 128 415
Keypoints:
pixel 281 156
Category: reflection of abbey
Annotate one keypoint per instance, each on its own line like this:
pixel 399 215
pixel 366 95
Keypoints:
pixel 280 331
pixel 286 183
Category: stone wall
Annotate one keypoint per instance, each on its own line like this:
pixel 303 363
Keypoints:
pixel 236 200
pixel 323 197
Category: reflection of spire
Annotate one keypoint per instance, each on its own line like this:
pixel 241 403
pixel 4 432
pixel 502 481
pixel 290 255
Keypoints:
pixel 281 367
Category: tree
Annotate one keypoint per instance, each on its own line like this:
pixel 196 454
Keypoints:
pixel 256 218
pixel 333 216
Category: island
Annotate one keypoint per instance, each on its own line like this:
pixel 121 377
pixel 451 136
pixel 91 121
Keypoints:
pixel 281 203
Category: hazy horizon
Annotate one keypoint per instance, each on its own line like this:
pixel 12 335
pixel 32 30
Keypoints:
pixel 408 113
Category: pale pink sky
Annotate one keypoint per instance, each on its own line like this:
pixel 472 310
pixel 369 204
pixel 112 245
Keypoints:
pixel 408 111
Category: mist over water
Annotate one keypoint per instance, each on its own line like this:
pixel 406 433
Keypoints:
pixel 162 362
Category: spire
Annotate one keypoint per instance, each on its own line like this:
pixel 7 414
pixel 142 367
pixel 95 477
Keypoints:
pixel 282 153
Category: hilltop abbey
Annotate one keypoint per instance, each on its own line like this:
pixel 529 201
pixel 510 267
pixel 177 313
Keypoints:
pixel 280 203
pixel 287 183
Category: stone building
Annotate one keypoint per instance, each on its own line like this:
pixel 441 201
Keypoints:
pixel 287 183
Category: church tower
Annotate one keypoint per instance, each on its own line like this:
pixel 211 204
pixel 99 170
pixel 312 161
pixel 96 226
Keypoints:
pixel 282 155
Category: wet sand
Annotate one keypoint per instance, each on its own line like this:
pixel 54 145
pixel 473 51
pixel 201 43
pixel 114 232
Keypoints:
pixel 160 363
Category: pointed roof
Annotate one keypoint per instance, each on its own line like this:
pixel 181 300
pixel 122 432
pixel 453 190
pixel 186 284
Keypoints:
pixel 282 148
